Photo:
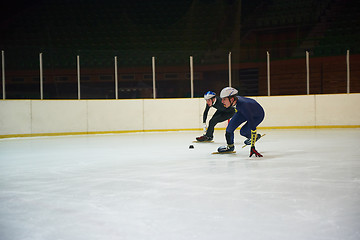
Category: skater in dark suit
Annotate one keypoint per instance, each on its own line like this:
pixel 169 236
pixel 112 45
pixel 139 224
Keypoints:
pixel 221 114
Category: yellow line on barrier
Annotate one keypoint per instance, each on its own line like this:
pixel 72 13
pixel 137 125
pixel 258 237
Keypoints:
pixel 92 133
pixel 165 130
pixel 311 127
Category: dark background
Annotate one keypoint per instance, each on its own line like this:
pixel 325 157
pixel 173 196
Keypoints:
pixel 172 31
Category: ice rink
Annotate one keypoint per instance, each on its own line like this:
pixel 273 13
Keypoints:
pixel 139 186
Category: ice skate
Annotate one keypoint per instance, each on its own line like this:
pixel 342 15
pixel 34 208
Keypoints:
pixel 248 141
pixel 226 149
pixel 204 138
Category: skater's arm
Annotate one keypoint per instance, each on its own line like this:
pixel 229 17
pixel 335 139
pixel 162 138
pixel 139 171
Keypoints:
pixel 206 111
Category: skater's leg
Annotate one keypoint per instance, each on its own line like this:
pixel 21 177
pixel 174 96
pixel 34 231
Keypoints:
pixel 235 122
pixel 246 130
pixel 217 118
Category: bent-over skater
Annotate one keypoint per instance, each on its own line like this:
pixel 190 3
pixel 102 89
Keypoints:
pixel 221 114
pixel 247 110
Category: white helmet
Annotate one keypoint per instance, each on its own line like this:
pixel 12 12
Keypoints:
pixel 228 91
pixel 209 95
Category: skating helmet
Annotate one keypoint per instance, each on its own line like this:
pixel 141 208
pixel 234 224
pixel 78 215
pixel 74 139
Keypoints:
pixel 228 91
pixel 209 95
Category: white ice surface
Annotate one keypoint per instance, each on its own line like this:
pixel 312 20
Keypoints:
pixel 152 186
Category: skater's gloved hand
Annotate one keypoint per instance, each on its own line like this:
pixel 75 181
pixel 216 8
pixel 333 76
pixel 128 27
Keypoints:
pixel 253 151
pixel 205 127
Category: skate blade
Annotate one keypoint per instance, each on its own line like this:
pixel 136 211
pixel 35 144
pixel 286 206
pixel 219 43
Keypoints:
pixel 203 141
pixel 223 152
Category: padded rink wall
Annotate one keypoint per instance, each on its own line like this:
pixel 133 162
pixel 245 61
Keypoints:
pixel 58 117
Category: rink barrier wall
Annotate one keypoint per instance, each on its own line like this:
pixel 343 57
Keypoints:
pixel 23 118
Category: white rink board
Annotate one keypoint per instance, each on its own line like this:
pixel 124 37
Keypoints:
pixel 171 114
pixel 338 109
pixel 115 115
pixel 84 116
pixel 15 117
pixel 58 116
pixel 285 111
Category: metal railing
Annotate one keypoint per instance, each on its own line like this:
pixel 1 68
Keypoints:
pixel 157 79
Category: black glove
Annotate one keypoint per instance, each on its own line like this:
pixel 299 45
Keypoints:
pixel 253 151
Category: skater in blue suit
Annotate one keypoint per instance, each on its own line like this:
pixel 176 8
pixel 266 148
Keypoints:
pixel 246 110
